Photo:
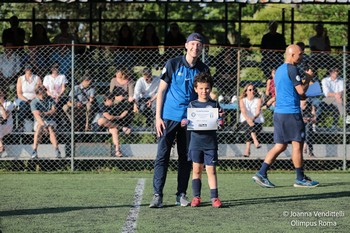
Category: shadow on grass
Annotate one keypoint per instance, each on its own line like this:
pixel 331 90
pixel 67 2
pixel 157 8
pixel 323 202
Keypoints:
pixel 277 199
pixel 56 210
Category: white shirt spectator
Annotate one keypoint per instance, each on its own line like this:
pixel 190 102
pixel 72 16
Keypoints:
pixel 251 107
pixel 28 87
pixel 54 85
pixel 144 89
pixel 332 86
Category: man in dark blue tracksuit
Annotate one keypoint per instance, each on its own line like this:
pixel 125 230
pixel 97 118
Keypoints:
pixel 175 91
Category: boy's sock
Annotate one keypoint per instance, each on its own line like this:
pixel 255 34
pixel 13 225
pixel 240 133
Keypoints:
pixel 196 187
pixel 300 173
pixel 214 193
pixel 264 168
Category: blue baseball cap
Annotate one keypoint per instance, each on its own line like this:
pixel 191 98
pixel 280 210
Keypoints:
pixel 195 37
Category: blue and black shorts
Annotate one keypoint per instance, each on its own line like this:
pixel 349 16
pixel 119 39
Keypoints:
pixel 288 128
pixel 207 157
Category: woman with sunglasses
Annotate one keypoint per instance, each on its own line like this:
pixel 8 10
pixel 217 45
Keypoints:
pixel 251 117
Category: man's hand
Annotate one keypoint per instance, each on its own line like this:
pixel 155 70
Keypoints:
pixel 160 126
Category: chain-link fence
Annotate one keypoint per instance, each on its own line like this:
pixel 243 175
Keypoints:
pixel 77 134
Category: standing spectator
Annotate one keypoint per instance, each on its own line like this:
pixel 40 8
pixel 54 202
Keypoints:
pixel 287 120
pixel 150 40
pixel 320 42
pixel 55 84
pixel 251 116
pixel 204 153
pixel 175 92
pixel 65 37
pixel 272 45
pixel 333 87
pixel 62 54
pixel 43 109
pixel 174 37
pixel 84 102
pixel 10 66
pixel 6 120
pixel 149 36
pixel 14 35
pixel 26 85
pixel 124 56
pixel 113 118
pixel 145 95
pixel 320 47
pixel 38 49
pixel 125 36
pixel 198 28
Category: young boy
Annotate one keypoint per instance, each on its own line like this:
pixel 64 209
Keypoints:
pixel 203 144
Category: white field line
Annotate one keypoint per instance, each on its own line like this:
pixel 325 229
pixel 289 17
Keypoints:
pixel 130 224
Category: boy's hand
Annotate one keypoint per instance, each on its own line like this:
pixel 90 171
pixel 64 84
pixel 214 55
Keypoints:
pixel 184 122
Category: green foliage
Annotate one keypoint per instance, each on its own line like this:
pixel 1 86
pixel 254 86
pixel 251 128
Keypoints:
pixel 185 14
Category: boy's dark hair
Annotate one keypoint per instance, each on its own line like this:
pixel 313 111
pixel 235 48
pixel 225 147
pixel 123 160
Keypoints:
pixel 203 77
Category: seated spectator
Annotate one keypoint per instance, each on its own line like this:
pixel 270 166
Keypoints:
pixel 10 66
pixel 43 109
pixel 333 87
pixel 251 117
pixel 121 85
pixel 270 92
pixel 55 84
pixel 26 85
pixel 6 120
pixel 145 95
pixel 84 102
pixel 309 117
pixel 123 90
pixel 113 118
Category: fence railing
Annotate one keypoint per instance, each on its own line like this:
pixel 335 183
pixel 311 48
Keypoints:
pixel 85 144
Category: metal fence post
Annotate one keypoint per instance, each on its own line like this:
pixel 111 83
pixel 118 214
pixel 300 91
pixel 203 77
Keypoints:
pixel 344 107
pixel 72 145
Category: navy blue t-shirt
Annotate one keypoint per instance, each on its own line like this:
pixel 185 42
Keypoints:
pixel 203 139
pixel 179 76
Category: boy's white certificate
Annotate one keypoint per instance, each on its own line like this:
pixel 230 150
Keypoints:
pixel 202 118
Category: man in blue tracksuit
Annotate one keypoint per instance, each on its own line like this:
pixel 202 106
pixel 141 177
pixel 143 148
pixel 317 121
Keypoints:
pixel 175 91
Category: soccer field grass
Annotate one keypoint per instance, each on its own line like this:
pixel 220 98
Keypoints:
pixel 106 202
